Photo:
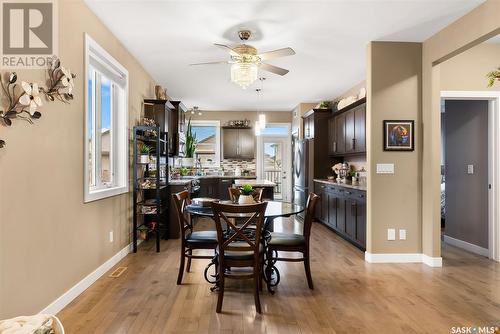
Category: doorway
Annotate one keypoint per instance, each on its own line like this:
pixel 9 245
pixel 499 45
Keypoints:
pixel 469 182
pixel 464 174
pixel 274 159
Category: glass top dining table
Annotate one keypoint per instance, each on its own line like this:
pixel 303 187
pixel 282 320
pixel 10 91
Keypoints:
pixel 274 210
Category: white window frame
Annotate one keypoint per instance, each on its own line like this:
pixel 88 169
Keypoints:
pixel 217 139
pixel 119 147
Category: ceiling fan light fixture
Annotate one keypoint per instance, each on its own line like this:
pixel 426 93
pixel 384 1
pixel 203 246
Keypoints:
pixel 244 74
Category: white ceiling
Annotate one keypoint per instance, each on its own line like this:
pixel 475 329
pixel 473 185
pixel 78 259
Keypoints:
pixel 329 37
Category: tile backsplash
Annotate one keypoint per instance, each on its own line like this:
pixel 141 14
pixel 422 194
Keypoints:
pixel 228 165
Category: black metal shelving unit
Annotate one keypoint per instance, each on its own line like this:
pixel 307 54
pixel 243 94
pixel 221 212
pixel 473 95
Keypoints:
pixel 150 207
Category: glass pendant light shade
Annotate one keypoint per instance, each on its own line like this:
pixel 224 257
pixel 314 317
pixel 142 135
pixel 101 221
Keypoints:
pixel 244 74
pixel 262 121
pixel 257 128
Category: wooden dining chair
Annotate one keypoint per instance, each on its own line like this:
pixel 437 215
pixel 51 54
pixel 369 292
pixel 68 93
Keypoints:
pixel 190 239
pixel 238 249
pixel 234 194
pixel 289 242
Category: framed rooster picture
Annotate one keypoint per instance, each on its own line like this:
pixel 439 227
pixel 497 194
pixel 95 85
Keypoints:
pixel 399 135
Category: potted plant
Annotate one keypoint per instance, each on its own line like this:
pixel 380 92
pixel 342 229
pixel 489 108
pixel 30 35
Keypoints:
pixel 492 76
pixel 144 151
pixel 188 161
pixel 246 195
pixel 143 232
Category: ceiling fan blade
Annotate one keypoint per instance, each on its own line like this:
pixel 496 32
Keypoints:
pixel 212 63
pixel 227 48
pixel 273 69
pixel 277 53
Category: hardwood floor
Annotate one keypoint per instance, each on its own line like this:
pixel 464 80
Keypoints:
pixel 350 296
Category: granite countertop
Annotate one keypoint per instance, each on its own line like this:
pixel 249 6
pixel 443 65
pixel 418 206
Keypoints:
pixel 255 183
pixel 345 185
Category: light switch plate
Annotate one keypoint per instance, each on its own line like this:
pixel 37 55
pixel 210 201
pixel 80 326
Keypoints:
pixel 402 234
pixel 391 234
pixel 470 169
pixel 385 168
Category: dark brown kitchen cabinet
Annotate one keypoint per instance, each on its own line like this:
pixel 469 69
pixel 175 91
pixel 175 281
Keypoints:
pixel 159 111
pixel 177 129
pixel 347 130
pixel 238 143
pixel 309 126
pixel 224 184
pixel 360 128
pixel 343 210
pixel 209 187
pixel 339 134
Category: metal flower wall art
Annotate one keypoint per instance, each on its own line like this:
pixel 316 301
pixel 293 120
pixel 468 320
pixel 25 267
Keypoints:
pixel 23 100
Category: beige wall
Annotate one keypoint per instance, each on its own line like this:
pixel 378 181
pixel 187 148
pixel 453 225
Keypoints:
pixel 297 121
pixel 393 88
pixel 50 239
pixel 467 70
pixel 477 26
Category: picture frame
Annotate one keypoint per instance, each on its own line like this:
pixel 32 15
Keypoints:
pixel 399 135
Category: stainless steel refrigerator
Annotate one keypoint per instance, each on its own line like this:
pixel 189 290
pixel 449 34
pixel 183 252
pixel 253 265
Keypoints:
pixel 300 166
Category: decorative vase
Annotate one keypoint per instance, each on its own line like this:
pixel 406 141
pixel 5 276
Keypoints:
pixel 354 181
pixel 188 162
pixel 245 199
pixel 144 159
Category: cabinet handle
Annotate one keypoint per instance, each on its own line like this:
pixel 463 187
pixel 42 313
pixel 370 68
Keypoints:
pixel 353 145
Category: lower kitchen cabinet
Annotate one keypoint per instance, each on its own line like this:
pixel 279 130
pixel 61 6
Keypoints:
pixel 343 210
pixel 209 187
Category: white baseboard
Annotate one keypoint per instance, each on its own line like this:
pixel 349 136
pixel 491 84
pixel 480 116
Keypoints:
pixel 58 304
pixel 432 261
pixel 467 246
pixel 403 258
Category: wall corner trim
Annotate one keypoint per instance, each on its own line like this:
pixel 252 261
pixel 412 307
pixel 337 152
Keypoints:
pixel 403 258
pixel 467 246
pixel 66 298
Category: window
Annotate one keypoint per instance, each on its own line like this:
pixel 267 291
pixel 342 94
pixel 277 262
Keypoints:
pixel 106 124
pixel 208 142
pixel 276 129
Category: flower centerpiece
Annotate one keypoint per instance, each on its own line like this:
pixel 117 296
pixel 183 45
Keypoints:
pixel 246 195
pixel 336 169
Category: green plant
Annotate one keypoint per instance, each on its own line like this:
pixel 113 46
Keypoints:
pixel 492 76
pixel 144 149
pixel 325 105
pixel 184 171
pixel 190 141
pixel 246 189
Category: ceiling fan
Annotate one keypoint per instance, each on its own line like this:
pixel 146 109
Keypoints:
pixel 246 61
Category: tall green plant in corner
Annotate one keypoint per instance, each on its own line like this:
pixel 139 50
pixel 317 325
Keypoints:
pixel 190 141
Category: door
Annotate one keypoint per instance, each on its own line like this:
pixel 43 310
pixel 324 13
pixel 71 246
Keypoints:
pixel 275 166
pixel 466 172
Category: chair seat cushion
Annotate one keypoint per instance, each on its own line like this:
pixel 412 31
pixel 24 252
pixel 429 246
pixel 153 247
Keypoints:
pixel 202 237
pixel 286 239
pixel 240 255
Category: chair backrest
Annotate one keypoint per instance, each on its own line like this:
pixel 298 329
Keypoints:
pixel 181 200
pixel 309 216
pixel 252 213
pixel 234 194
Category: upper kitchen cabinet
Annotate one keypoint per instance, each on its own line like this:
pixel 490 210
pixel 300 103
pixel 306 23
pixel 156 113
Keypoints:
pixel 238 143
pixel 347 130
pixel 177 128
pixel 160 111
pixel 313 120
